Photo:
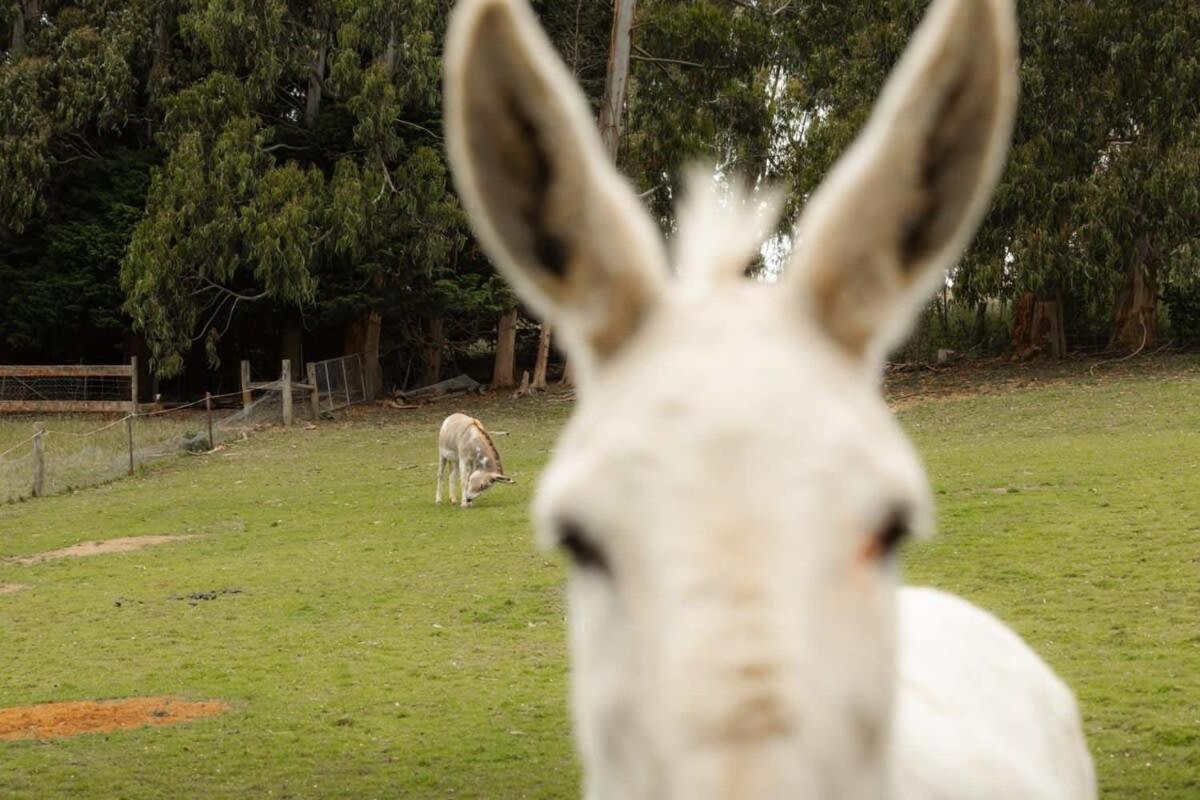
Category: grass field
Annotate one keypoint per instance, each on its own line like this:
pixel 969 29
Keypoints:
pixel 382 647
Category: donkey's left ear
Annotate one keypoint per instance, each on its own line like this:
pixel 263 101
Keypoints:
pixel 903 202
pixel 547 206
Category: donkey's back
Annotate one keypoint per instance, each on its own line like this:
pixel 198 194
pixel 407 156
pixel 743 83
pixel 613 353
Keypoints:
pixel 456 431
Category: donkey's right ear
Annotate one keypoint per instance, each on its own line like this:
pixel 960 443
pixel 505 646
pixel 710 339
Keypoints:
pixel 547 206
pixel 900 206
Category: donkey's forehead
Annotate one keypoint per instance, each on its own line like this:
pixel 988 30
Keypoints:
pixel 723 401
pixel 730 363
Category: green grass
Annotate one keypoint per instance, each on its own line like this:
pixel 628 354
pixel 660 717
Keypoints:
pixel 383 647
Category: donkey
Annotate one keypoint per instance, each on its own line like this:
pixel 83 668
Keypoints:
pixel 736 627
pixel 466 453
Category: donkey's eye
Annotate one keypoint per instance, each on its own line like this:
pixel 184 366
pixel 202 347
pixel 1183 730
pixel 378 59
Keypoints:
pixel 888 539
pixel 580 547
pixel 891 535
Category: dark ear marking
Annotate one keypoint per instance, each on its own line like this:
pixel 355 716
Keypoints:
pixel 549 249
pixel 952 157
pixel 547 206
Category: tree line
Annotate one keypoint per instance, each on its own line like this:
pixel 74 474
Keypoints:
pixel 199 181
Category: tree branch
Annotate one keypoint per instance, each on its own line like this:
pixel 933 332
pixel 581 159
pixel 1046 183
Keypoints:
pixel 232 293
pixel 644 56
pixel 408 124
pixel 281 145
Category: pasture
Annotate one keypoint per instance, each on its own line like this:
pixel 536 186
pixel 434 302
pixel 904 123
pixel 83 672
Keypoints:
pixel 369 644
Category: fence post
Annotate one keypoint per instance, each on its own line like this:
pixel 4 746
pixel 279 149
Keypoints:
pixel 39 459
pixel 129 429
pixel 314 396
pixel 362 376
pixel 328 384
pixel 208 410
pixel 245 385
pixel 133 385
pixel 285 379
pixel 345 382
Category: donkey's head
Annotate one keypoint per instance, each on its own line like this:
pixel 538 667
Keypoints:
pixel 731 488
pixel 481 480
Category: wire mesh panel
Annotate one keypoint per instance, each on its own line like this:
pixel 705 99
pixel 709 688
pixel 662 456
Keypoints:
pixel 340 382
pixel 65 388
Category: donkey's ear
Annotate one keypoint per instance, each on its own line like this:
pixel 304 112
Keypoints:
pixel 902 203
pixel 543 199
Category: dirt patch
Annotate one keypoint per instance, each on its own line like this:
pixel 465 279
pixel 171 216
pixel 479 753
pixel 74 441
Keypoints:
pixel 195 597
pixel 12 588
pixel 83 549
pixel 59 720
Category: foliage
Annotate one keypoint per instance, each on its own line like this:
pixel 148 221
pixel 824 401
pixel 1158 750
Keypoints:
pixel 295 154
pixel 59 293
pixel 1105 148
pixel 1182 297
pixel 708 83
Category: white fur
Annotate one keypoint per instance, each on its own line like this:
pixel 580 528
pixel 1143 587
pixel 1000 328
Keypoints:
pixel 730 464
pixel 718 235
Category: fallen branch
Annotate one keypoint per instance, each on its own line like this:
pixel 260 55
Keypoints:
pixel 461 384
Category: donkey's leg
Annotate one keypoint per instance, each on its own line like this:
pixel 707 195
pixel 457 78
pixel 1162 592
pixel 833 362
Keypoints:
pixel 463 476
pixel 441 473
pixel 452 480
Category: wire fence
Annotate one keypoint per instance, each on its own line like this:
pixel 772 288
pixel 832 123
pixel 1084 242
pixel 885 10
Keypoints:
pixel 47 454
pixel 49 388
pixel 63 388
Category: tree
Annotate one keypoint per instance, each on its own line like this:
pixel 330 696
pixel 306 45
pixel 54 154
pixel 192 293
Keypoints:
pixel 504 373
pixel 301 172
pixel 1141 213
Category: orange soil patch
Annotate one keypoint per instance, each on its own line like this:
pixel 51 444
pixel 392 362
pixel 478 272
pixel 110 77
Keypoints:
pixel 59 720
pixel 12 588
pixel 122 545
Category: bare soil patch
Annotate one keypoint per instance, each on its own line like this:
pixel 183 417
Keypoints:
pixel 122 545
pixel 60 720
pixel 12 588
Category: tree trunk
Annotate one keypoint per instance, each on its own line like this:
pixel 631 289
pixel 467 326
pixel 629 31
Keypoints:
pixel 542 364
pixel 389 54
pixel 316 75
pixel 291 345
pixel 24 14
pixel 617 76
pixel 16 37
pixel 1135 316
pixel 431 352
pixel 981 326
pixel 1039 326
pixel 504 372
pixel 362 337
pixel 159 64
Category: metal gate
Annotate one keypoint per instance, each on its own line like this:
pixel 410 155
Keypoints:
pixel 340 382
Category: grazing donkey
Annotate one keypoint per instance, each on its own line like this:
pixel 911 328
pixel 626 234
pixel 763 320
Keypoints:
pixel 736 626
pixel 467 454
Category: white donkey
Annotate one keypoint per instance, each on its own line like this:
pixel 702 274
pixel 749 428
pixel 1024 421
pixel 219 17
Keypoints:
pixel 467 456
pixel 736 628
